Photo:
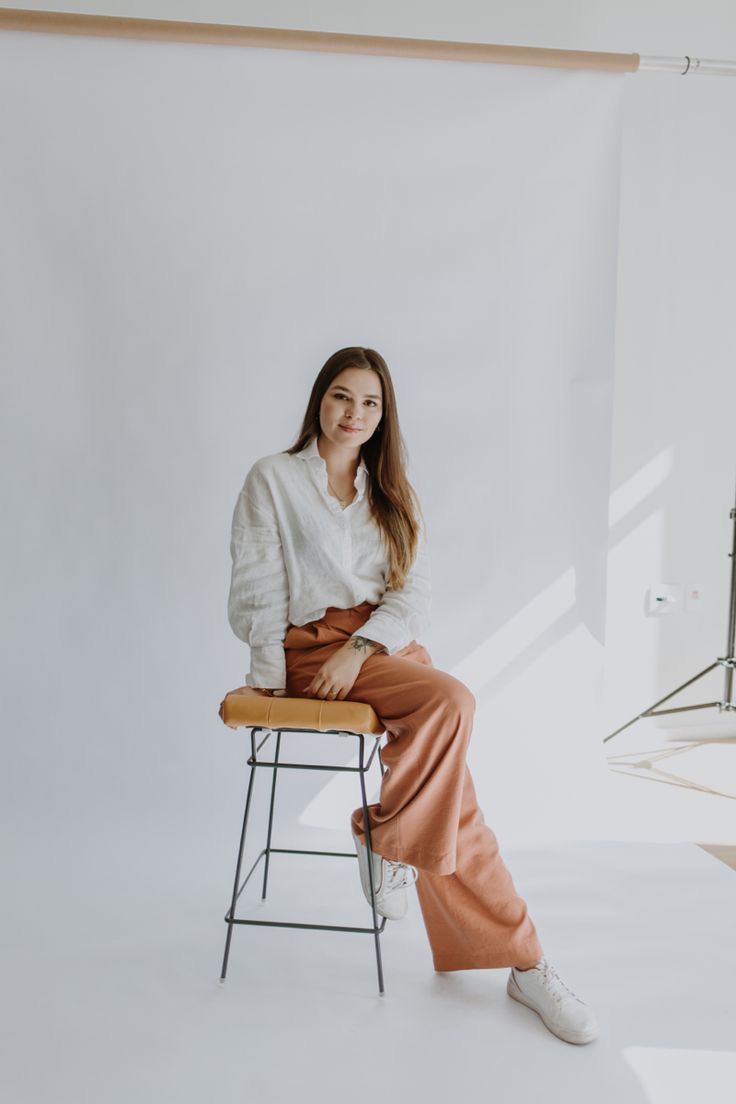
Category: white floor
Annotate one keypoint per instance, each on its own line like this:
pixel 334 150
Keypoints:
pixel 113 932
pixel 112 993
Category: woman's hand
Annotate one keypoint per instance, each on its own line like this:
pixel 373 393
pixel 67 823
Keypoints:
pixel 256 690
pixel 336 676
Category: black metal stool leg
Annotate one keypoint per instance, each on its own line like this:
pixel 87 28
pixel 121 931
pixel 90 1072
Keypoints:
pixel 278 765
pixel 366 824
pixel 270 816
pixel 239 863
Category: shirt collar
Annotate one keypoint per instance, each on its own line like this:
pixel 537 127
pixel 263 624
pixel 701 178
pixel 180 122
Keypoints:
pixel 311 452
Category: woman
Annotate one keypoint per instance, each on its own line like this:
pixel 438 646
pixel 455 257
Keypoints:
pixel 330 588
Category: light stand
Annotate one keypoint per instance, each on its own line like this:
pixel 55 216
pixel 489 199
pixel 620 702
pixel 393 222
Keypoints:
pixel 727 661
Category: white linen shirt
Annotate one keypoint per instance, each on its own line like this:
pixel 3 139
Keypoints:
pixel 295 551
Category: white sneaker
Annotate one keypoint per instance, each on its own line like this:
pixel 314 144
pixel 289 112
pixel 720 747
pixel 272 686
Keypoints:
pixel 390 880
pixel 542 989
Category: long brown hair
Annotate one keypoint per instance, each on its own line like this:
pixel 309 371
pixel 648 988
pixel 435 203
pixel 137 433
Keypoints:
pixel 391 497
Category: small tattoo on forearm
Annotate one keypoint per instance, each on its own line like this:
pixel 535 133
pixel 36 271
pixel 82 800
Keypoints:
pixel 363 644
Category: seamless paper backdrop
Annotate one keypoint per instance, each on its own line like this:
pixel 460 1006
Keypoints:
pixel 188 233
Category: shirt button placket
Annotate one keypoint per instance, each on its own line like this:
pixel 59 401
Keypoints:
pixel 348 541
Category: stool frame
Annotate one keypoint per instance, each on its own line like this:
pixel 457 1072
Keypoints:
pixel 268 850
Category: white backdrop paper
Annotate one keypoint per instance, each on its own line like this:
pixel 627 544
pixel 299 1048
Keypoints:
pixel 188 233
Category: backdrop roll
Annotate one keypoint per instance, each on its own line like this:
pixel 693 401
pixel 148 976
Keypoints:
pixel 188 233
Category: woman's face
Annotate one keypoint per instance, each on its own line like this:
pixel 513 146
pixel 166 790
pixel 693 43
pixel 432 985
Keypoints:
pixel 354 399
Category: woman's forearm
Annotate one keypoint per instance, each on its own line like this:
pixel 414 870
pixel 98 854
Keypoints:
pixel 361 644
pixel 364 645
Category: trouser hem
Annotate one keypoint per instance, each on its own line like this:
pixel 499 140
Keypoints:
pixel 422 860
pixel 487 961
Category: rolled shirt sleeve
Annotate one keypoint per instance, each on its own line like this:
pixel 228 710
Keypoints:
pixel 258 602
pixel 403 615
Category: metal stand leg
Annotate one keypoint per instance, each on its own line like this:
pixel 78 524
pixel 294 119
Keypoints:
pixel 367 827
pixel 653 711
pixel 728 662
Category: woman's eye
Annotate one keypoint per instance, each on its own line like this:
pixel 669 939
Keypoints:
pixel 371 401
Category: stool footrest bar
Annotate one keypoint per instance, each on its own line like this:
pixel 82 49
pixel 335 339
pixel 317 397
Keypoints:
pixel 306 766
pixel 318 927
pixel 303 851
pixel 290 851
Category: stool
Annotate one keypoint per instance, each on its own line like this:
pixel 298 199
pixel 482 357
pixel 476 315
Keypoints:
pixel 246 708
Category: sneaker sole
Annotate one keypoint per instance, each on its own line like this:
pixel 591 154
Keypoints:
pixel 513 990
pixel 397 914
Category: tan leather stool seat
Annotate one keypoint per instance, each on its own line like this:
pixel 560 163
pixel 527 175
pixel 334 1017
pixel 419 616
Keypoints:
pixel 246 707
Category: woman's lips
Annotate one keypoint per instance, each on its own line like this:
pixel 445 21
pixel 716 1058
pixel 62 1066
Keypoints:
pixel 349 429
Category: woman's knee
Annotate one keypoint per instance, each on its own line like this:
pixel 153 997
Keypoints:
pixel 465 698
pixel 457 694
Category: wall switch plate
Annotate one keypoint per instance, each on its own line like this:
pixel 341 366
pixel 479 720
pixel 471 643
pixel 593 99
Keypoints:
pixel 663 598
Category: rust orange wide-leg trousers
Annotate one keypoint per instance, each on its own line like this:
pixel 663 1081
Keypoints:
pixel 428 814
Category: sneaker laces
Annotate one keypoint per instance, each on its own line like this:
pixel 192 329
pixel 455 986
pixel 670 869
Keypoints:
pixel 400 875
pixel 552 981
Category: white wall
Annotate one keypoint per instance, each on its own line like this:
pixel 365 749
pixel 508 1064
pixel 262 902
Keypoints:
pixel 673 462
pixel 674 435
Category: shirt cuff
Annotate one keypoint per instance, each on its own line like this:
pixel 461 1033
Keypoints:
pixel 392 636
pixel 267 667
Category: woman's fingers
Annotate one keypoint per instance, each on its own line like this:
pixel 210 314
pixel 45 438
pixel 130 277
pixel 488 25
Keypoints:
pixel 320 689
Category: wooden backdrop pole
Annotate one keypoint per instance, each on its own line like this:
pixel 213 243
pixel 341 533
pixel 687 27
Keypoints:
pixel 223 34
